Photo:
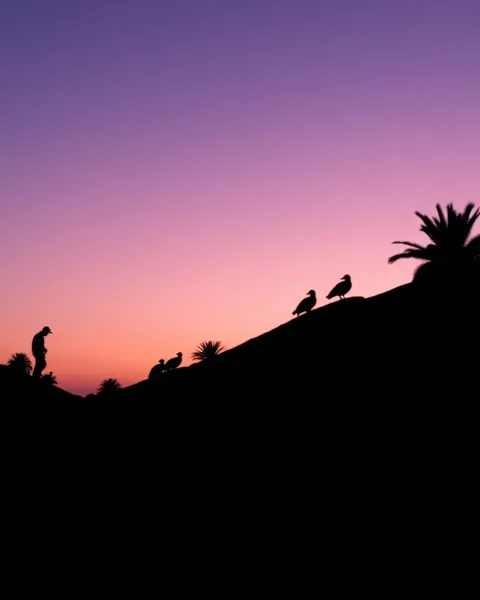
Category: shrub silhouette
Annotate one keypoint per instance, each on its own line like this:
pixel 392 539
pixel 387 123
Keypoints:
pixel 453 256
pixel 207 350
pixel 109 386
pixel 49 378
pixel 20 363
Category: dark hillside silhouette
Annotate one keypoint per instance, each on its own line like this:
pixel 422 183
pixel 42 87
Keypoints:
pixel 26 397
pixel 356 428
pixel 344 445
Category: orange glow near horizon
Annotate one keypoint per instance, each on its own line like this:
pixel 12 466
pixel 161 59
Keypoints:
pixel 95 340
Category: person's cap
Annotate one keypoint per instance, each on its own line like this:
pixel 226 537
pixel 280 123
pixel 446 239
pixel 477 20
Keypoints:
pixel 47 330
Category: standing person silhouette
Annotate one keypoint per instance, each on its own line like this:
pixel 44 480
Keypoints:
pixel 39 351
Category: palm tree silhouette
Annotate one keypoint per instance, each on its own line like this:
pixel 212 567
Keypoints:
pixel 20 363
pixel 49 378
pixel 452 251
pixel 207 350
pixel 109 386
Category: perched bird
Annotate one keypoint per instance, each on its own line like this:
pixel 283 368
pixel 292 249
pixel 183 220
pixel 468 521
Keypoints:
pixel 341 288
pixel 306 304
pixel 157 369
pixel 175 362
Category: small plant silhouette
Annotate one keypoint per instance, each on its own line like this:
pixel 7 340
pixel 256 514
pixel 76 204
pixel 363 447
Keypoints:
pixel 453 250
pixel 20 363
pixel 49 378
pixel 207 350
pixel 109 386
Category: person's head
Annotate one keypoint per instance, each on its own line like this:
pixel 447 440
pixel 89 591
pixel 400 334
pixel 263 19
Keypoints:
pixel 46 330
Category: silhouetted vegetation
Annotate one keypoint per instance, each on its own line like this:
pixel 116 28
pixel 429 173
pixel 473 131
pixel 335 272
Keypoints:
pixel 49 378
pixel 20 363
pixel 453 257
pixel 109 387
pixel 207 350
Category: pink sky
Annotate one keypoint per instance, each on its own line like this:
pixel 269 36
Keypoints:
pixel 187 174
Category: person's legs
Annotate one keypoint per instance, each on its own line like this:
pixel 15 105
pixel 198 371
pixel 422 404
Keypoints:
pixel 40 364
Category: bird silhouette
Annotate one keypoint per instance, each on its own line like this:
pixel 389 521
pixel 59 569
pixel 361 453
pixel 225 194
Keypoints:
pixel 341 288
pixel 157 369
pixel 175 362
pixel 306 304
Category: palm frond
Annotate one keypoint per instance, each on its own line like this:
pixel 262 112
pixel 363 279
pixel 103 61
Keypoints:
pixel 452 214
pixel 449 232
pixel 412 245
pixel 396 257
pixel 430 229
pixel 470 220
pixel 441 222
pixel 467 216
pixel 410 253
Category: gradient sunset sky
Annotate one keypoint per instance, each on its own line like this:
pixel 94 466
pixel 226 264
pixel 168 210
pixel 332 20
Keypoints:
pixel 175 171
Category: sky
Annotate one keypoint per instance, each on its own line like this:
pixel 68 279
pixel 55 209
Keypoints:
pixel 174 171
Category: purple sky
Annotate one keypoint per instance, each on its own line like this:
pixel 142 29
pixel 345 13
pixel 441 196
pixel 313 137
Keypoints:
pixel 174 171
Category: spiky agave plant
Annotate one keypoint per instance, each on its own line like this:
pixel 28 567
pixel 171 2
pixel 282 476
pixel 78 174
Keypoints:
pixel 207 350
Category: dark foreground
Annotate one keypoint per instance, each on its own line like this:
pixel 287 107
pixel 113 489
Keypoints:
pixel 335 456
